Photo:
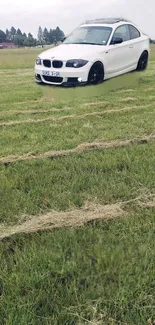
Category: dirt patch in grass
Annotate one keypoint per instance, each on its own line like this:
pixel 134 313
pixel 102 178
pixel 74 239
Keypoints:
pixel 80 148
pixel 94 103
pixel 128 99
pixel 73 218
pixel 126 91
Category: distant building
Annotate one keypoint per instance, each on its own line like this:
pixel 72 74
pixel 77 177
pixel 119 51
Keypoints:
pixel 6 45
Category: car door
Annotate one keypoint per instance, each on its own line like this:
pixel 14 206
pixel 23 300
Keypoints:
pixel 119 56
pixel 136 41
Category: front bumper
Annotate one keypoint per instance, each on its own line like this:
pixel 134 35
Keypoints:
pixel 67 76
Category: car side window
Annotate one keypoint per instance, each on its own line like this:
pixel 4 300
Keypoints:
pixel 134 32
pixel 122 32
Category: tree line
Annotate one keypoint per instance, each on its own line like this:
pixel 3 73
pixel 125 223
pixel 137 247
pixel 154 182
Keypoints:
pixel 44 37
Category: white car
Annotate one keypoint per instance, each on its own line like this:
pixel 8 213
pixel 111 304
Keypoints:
pixel 95 51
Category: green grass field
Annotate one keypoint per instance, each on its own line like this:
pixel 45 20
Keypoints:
pixel 77 198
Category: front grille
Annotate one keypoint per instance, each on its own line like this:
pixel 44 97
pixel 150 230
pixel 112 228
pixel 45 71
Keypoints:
pixel 53 79
pixel 57 64
pixel 47 63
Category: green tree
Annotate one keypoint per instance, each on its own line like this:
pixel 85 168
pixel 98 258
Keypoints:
pixel 46 35
pixel 21 39
pixel 19 33
pixel 2 36
pixel 51 39
pixel 30 41
pixel 59 34
pixel 40 36
pixel 55 35
pixel 12 33
pixel 8 35
pixel 18 40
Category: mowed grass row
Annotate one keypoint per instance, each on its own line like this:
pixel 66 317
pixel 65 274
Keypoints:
pixel 68 133
pixel 103 272
pixel 109 176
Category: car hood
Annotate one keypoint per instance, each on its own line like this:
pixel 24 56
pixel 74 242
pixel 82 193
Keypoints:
pixel 72 51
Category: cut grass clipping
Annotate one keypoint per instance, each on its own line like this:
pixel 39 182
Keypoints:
pixel 73 218
pixel 81 148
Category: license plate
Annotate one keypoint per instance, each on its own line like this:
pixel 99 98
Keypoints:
pixel 51 73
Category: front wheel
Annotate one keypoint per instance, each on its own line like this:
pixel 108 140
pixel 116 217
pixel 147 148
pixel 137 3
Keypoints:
pixel 96 74
pixel 143 61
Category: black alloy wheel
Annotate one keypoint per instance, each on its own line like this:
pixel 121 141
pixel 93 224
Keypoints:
pixel 143 61
pixel 96 74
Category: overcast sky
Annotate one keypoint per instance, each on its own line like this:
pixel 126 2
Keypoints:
pixel 67 14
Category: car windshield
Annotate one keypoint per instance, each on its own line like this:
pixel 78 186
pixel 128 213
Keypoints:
pixel 95 35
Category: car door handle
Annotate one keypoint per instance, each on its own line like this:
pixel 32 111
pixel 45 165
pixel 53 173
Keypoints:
pixel 131 47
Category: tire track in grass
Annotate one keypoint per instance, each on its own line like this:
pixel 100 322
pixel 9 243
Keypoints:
pixel 76 116
pixel 83 147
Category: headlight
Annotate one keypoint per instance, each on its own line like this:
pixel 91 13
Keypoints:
pixel 76 63
pixel 38 61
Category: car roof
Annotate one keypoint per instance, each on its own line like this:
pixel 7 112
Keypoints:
pixel 111 22
pixel 108 21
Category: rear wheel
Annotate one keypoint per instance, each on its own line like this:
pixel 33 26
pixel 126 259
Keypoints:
pixel 143 61
pixel 96 74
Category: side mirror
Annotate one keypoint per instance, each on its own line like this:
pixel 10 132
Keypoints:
pixel 116 40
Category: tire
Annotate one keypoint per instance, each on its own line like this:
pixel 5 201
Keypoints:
pixel 143 61
pixel 96 74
